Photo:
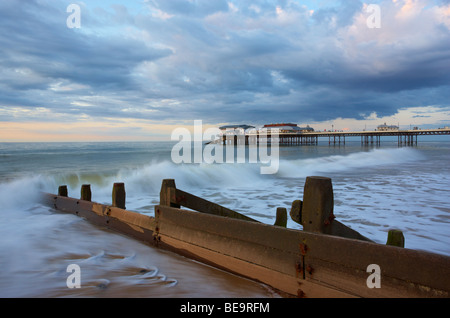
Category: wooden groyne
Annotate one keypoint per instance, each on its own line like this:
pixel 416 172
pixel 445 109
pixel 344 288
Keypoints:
pixel 325 259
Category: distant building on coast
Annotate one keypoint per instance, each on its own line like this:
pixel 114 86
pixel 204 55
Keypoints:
pixel 284 128
pixel 385 127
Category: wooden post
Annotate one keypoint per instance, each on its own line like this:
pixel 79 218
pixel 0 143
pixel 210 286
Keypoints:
pixel 318 203
pixel 395 238
pixel 118 195
pixel 296 211
pixel 281 218
pixel 166 192
pixel 62 191
pixel 86 194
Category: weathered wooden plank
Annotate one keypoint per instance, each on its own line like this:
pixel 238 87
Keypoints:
pixel 131 223
pixel 173 197
pixel 283 283
pixel 342 230
pixel 193 202
pixel 241 247
pixel 404 272
pixel 138 225
pixel 236 239
pixel 334 262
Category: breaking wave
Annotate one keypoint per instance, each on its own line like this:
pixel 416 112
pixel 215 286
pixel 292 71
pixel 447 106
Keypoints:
pixel 147 179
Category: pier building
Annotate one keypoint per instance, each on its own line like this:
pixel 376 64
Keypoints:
pixel 385 127
pixel 287 128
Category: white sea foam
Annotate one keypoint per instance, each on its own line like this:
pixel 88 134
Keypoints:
pixel 301 168
pixel 145 181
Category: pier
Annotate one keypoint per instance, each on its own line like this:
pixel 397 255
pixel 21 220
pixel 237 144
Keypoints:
pixel 324 259
pixel 404 137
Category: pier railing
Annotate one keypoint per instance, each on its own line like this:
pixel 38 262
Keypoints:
pixel 325 259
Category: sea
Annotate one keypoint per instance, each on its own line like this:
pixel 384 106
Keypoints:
pixel 376 188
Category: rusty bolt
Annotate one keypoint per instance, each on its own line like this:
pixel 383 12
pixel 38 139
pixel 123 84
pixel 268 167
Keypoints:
pixel 303 248
pixel 298 268
pixel 330 219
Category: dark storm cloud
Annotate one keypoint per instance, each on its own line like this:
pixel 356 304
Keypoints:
pixel 39 50
pixel 223 61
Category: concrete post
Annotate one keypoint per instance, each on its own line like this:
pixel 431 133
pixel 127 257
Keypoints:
pixel 86 194
pixel 118 195
pixel 318 204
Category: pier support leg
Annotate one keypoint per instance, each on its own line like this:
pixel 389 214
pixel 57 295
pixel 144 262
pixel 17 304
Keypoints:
pixel 118 195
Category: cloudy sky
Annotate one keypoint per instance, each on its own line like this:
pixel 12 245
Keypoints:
pixel 137 69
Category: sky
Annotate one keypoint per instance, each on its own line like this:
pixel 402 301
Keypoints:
pixel 138 69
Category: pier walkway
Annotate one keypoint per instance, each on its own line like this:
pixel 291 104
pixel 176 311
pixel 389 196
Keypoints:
pixel 405 137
